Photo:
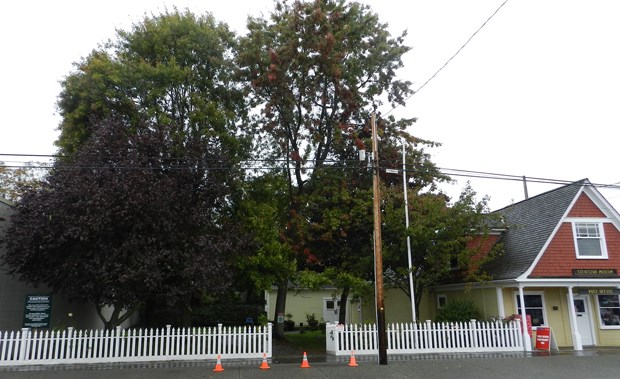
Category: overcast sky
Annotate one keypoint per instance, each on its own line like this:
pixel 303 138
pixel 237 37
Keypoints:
pixel 536 92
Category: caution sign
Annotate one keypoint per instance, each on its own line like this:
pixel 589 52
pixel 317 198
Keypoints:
pixel 37 311
pixel 543 338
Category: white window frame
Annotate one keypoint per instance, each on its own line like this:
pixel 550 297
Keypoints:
pixel 445 301
pixel 601 238
pixel 598 315
pixel 544 308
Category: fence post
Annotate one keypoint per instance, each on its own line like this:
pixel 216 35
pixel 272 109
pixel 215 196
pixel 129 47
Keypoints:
pixel 269 337
pixel 428 335
pixel 168 339
pixel 25 336
pixel 220 339
pixel 117 341
pixel 474 333
pixel 330 338
pixel 69 353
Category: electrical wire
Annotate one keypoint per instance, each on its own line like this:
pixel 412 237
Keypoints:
pixel 449 59
pixel 254 165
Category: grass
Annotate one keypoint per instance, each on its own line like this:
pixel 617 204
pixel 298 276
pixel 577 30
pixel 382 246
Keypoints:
pixel 308 341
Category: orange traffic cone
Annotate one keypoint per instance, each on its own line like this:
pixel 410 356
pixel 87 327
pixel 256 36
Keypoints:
pixel 304 363
pixel 264 365
pixel 218 365
pixel 352 361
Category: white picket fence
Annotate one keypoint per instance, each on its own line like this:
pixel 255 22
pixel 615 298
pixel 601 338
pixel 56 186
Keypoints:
pixel 26 347
pixel 426 337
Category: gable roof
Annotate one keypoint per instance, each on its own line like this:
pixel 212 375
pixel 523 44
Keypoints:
pixel 530 224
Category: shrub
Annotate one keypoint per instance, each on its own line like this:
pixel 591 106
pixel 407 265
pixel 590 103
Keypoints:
pixel 458 311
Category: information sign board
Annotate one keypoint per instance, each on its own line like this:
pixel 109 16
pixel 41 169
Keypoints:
pixel 37 311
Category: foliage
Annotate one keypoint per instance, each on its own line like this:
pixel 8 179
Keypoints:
pixel 127 219
pixel 16 180
pixel 263 213
pixel 316 68
pixel 172 69
pixel 262 319
pixel 458 311
pixel 439 232
pixel 169 75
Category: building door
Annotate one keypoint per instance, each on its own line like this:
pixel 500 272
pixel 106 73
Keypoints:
pixel 584 321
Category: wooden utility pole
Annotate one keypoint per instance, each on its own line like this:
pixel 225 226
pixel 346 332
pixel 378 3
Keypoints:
pixel 381 331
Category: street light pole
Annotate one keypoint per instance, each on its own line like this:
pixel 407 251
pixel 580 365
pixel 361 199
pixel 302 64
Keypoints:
pixel 381 330
pixel 409 259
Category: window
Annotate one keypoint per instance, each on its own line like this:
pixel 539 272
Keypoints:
pixel 442 300
pixel 589 240
pixel 534 306
pixel 609 310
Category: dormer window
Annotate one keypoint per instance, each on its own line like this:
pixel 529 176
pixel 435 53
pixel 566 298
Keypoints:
pixel 589 240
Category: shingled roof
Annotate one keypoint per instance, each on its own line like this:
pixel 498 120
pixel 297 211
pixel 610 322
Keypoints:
pixel 530 224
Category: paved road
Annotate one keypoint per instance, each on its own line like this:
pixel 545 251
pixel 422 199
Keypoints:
pixel 564 365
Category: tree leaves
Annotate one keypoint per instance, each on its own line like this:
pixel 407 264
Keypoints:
pixel 128 219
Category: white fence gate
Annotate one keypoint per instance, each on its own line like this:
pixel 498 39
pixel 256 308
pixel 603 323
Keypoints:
pixel 133 345
pixel 427 337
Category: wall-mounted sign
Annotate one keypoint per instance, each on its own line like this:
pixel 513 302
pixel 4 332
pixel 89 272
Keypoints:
pixel 595 273
pixel 598 291
pixel 37 311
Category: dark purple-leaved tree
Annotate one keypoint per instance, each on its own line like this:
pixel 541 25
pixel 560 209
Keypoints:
pixel 134 215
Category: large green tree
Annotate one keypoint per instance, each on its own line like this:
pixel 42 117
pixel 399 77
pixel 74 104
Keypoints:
pixel 169 69
pixel 316 70
pixel 170 74
pixel 440 231
pixel 127 220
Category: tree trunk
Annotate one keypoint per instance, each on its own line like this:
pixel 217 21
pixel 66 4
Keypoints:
pixel 115 318
pixel 280 309
pixel 186 310
pixel 344 296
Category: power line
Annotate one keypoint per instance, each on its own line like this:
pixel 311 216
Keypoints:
pixel 451 58
pixel 254 165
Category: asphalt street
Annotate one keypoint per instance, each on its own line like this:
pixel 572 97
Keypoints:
pixel 564 365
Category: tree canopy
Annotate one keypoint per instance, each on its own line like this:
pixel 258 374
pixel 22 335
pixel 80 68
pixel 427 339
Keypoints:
pixel 439 231
pixel 317 69
pixel 170 69
pixel 126 220
pixel 151 199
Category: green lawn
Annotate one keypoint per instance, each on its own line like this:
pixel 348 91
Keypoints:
pixel 308 341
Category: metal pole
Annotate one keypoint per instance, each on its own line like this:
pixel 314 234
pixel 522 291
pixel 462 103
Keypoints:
pixel 409 258
pixel 525 188
pixel 381 330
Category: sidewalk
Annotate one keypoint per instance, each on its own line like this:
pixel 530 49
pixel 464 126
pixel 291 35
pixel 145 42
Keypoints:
pixel 594 363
